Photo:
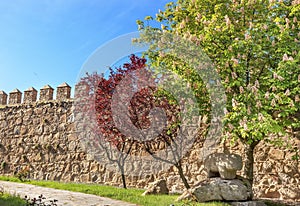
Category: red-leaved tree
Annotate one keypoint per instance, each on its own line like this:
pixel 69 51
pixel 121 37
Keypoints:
pixel 129 111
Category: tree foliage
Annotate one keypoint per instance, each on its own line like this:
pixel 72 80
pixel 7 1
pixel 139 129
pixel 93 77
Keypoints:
pixel 94 103
pixel 254 46
pixel 131 116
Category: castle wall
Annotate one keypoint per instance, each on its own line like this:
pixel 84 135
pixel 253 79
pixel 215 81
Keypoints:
pixel 41 135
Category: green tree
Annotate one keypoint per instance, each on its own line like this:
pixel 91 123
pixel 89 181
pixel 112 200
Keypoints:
pixel 254 46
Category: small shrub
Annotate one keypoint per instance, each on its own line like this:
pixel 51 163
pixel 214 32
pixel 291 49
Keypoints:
pixel 296 156
pixel 40 201
pixel 22 174
pixel 3 165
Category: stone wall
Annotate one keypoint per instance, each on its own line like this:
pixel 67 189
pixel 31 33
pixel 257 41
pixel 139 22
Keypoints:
pixel 276 169
pixel 41 136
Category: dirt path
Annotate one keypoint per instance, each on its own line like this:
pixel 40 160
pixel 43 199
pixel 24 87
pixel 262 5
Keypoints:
pixel 65 198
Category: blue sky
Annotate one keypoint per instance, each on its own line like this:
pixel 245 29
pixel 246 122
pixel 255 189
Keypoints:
pixel 47 41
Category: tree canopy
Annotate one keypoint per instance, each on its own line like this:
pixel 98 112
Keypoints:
pixel 255 48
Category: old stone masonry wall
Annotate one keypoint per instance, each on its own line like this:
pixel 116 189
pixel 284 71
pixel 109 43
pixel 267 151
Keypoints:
pixel 40 137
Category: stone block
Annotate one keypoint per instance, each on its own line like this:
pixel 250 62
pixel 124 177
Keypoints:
pixel 157 187
pixel 272 192
pixel 217 189
pixel 85 178
pixel 223 165
pixel 276 154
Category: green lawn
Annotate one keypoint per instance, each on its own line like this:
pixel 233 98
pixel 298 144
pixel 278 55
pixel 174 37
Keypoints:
pixel 127 195
pixel 8 200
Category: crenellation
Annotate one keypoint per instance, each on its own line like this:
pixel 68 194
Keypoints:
pixel 30 95
pixel 3 98
pixel 63 92
pixel 15 97
pixel 81 89
pixel 46 93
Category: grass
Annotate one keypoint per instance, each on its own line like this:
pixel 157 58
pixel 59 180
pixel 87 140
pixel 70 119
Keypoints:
pixel 9 200
pixel 127 195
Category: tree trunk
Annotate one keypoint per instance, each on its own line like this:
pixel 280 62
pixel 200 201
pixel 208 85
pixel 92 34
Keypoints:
pixel 249 161
pixel 184 180
pixel 123 176
pixel 124 181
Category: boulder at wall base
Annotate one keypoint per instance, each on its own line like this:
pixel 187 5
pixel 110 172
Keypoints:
pixel 157 187
pixel 217 189
pixel 223 165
